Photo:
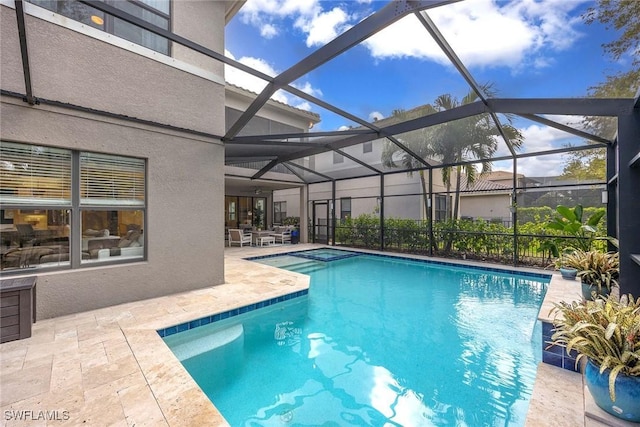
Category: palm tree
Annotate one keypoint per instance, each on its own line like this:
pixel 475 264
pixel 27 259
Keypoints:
pixel 467 139
pixel 416 143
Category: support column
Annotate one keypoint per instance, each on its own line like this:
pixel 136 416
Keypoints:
pixel 514 213
pixel 628 201
pixel 332 214
pixel 304 214
pixel 430 212
pixel 612 194
pixel 381 212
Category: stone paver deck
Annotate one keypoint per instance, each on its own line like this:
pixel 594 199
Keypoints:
pixel 110 367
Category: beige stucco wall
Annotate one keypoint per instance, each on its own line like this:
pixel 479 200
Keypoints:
pixel 184 208
pixel 364 192
pixel 486 206
pixel 186 21
pixel 185 186
pixel 71 67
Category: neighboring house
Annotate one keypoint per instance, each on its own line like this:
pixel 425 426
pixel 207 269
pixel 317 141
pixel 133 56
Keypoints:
pixel 112 177
pixel 486 198
pixel 361 196
pixel 489 196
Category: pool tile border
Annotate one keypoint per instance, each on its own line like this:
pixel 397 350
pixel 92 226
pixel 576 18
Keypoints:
pixel 171 330
pixel 426 261
pixel 556 354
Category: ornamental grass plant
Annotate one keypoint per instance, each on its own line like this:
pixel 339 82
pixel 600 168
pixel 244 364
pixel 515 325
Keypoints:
pixel 604 330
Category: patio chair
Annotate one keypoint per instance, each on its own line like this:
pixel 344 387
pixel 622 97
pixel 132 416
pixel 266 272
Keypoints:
pixel 237 236
pixel 282 235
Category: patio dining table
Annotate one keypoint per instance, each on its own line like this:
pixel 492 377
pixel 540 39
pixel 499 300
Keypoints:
pixel 256 235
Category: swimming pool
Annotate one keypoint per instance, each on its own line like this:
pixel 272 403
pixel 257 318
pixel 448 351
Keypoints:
pixel 378 340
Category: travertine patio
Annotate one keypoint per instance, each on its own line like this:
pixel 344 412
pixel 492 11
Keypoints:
pixel 110 367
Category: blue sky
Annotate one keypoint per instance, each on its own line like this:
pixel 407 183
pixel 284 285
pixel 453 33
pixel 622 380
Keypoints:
pixel 525 48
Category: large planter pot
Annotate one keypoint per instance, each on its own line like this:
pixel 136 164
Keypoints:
pixel 568 273
pixel 627 404
pixel 587 290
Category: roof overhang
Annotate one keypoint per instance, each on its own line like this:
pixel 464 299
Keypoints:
pixel 231 8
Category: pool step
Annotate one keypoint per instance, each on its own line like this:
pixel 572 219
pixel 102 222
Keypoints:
pixel 201 340
pixel 293 262
pixel 307 267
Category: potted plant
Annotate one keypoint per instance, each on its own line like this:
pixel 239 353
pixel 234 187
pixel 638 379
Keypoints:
pixel 567 270
pixel 598 271
pixel 605 332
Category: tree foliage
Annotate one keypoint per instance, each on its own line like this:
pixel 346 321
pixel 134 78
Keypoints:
pixel 586 165
pixel 467 139
pixel 622 16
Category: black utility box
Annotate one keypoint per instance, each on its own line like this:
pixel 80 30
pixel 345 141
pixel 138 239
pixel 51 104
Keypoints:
pixel 17 307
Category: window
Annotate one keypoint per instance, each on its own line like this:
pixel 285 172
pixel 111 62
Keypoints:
pixel 156 12
pixel 345 208
pixel 337 158
pixel 279 212
pixel 441 208
pixel 42 193
pixel 111 200
pixel 367 147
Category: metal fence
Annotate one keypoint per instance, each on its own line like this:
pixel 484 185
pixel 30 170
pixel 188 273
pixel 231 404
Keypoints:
pixel 501 247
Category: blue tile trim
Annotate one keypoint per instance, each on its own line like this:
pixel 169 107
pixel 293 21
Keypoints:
pixel 556 355
pixel 552 359
pixel 425 261
pixel 317 258
pixel 547 331
pixel 165 332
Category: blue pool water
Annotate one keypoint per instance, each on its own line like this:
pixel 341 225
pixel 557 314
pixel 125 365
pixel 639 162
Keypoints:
pixel 377 341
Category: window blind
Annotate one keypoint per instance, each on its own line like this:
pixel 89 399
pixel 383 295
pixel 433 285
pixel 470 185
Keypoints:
pixel 33 175
pixel 108 180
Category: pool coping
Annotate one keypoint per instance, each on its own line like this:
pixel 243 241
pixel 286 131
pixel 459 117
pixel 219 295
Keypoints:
pixel 432 261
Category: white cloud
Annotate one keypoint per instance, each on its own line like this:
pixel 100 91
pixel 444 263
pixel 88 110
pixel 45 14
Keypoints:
pixel 268 31
pixel 542 138
pixel 515 34
pixel 307 88
pixel 254 84
pixel 541 166
pixel 279 7
pixel 245 80
pixel 538 138
pixel 484 33
pixel 323 27
pixel 375 115
pixel 262 14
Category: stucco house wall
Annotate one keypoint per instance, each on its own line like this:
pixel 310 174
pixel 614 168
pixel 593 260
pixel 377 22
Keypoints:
pixel 486 206
pixel 185 179
pixel 402 194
